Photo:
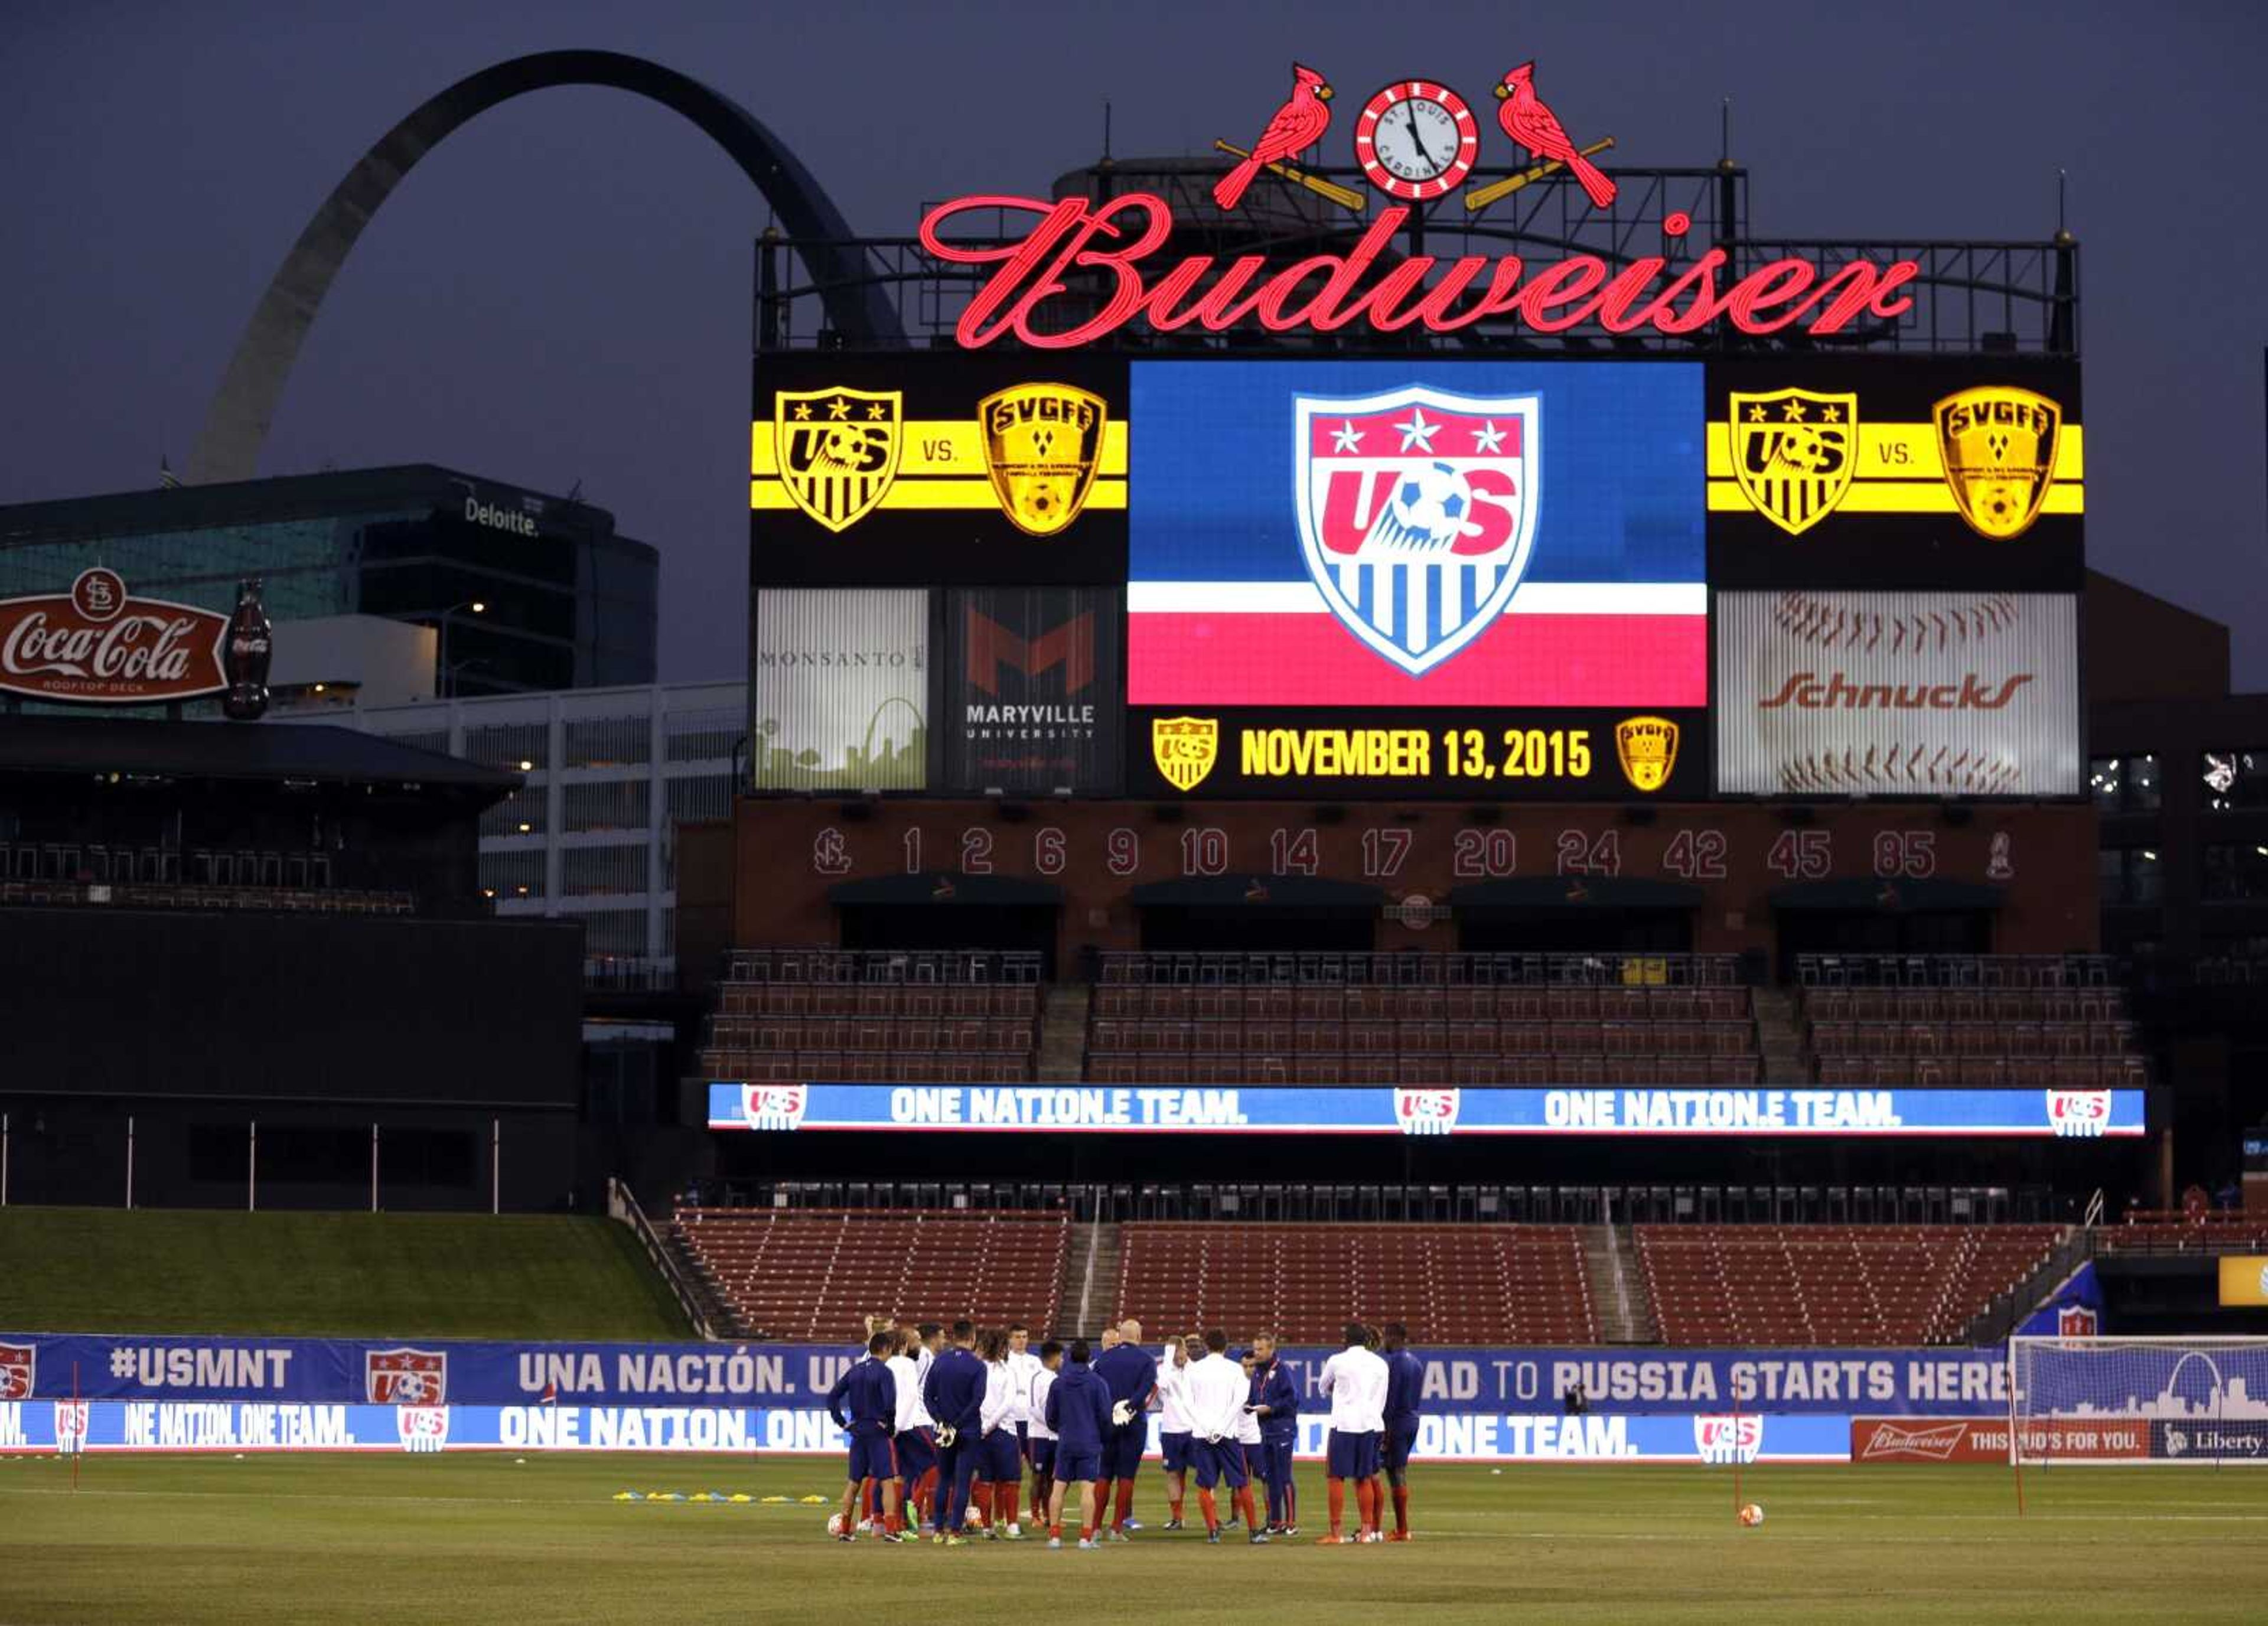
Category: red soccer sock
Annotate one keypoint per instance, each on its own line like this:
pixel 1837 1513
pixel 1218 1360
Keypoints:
pixel 1244 1505
pixel 1014 1495
pixel 981 1493
pixel 1206 1506
pixel 1338 1506
pixel 1402 1508
pixel 1365 1496
pixel 1125 1503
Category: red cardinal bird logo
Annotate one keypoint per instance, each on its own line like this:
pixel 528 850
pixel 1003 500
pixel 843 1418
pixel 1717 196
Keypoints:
pixel 1528 121
pixel 1297 125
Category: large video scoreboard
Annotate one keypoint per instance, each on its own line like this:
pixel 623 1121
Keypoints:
pixel 1632 581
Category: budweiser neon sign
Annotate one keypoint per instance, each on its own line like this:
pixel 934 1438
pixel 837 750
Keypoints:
pixel 96 643
pixel 1122 244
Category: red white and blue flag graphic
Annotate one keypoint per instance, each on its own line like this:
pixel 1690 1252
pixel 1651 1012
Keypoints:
pixel 1434 533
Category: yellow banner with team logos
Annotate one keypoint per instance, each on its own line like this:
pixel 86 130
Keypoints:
pixel 946 464
pixel 1899 469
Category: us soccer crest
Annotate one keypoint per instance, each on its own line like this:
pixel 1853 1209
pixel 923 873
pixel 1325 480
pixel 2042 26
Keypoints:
pixel 1721 1439
pixel 1185 748
pixel 1417 510
pixel 1042 444
pixel 19 1363
pixel 1793 453
pixel 1646 748
pixel 774 1106
pixel 1998 446
pixel 837 450
pixel 405 1376
pixel 2076 1321
pixel 1426 1112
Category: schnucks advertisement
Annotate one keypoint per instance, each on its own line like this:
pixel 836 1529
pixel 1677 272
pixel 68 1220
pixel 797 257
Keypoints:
pixel 841 691
pixel 1248 1110
pixel 1031 690
pixel 1939 694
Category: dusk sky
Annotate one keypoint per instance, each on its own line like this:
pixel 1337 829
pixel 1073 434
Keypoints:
pixel 561 292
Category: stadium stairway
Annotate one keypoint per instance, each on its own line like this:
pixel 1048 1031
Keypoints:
pixel 1779 1036
pixel 1102 1264
pixel 1063 1035
pixel 1617 1288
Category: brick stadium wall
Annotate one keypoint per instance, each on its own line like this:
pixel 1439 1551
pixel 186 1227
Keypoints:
pixel 790 852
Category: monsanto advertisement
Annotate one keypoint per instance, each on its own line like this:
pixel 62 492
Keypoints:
pixel 1897 694
pixel 840 691
pixel 98 644
pixel 1031 687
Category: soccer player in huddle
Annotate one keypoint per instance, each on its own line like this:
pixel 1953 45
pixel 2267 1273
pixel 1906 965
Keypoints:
pixel 1128 1371
pixel 914 1445
pixel 954 1392
pixel 1023 1367
pixel 1173 1421
pixel 1274 1404
pixel 1355 1380
pixel 1078 1413
pixel 1405 1380
pixel 1041 1440
pixel 1217 1393
pixel 864 1406
pixel 999 1456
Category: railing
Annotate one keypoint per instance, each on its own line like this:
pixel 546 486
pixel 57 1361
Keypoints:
pixel 1421 970
pixel 834 965
pixel 630 977
pixel 2009 971
pixel 622 1205
pixel 282 900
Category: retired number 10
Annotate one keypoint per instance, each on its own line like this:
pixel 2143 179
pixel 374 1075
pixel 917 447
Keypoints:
pixel 1528 754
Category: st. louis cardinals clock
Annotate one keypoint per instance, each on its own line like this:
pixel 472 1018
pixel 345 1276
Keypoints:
pixel 1415 140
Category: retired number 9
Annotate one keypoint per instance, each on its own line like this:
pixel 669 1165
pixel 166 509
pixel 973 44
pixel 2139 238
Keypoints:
pixel 1528 754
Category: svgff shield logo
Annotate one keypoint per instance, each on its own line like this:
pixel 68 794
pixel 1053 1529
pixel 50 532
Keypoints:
pixel 2077 1320
pixel 1426 1111
pixel 1043 443
pixel 1417 510
pixel 1646 748
pixel 1998 444
pixel 775 1105
pixel 18 1366
pixel 405 1376
pixel 1723 1440
pixel 2079 1115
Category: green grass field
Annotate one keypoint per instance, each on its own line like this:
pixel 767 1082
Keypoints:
pixel 410 1275
pixel 465 1538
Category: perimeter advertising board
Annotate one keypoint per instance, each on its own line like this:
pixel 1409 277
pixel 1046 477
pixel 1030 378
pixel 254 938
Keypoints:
pixel 1390 578
pixel 1898 694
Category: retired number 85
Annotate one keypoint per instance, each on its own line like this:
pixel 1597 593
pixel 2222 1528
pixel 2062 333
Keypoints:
pixel 1528 754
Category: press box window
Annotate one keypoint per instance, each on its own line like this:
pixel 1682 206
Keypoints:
pixel 2236 874
pixel 2234 779
pixel 2124 783
pixel 2132 875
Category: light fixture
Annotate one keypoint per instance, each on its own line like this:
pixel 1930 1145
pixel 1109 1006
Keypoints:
pixel 526 828
pixel 526 766
pixel 318 688
pixel 477 607
pixel 2148 856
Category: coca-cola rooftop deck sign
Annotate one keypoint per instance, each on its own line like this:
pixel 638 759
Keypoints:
pixel 97 646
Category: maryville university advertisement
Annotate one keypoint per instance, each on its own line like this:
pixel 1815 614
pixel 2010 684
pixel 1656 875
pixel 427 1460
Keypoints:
pixel 1032 681
pixel 98 644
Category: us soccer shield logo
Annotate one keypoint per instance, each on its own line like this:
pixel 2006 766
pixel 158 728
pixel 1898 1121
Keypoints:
pixel 774 1106
pixel 1721 1439
pixel 1184 748
pixel 2079 1115
pixel 2076 1321
pixel 1042 444
pixel 19 1362
pixel 1793 453
pixel 837 450
pixel 405 1376
pixel 1417 510
pixel 1426 1112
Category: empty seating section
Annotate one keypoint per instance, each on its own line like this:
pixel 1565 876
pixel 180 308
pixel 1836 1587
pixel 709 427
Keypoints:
pixel 2215 1231
pixel 1471 1284
pixel 1853 1286
pixel 814 1274
pixel 856 1018
pixel 1442 1018
pixel 1978 1021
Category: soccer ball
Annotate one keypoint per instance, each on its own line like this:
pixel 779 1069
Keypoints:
pixel 1432 504
pixel 835 1524
pixel 1751 1515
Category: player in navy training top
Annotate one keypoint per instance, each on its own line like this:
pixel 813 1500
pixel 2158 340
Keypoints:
pixel 1405 1380
pixel 864 1404
pixel 1278 1400
pixel 1131 1376
pixel 1078 1409
pixel 954 1392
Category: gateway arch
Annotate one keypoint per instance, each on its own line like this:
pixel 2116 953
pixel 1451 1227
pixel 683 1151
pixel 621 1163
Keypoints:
pixel 236 425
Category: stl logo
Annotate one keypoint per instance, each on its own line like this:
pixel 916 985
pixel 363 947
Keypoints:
pixel 1998 446
pixel 18 1365
pixel 421 1429
pixel 837 450
pixel 1723 1440
pixel 1185 748
pixel 1417 510
pixel 1426 1111
pixel 99 594
pixel 1646 748
pixel 2077 1320
pixel 405 1376
pixel 775 1105
pixel 1042 444
pixel 2079 1115
pixel 1793 453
